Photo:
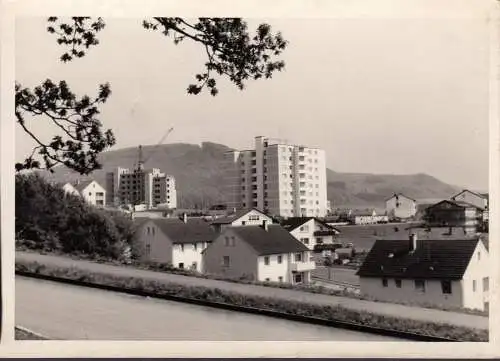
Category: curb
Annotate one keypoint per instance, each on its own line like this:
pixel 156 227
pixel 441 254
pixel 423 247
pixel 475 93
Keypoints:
pixel 245 309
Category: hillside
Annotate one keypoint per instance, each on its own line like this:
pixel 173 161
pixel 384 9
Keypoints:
pixel 198 172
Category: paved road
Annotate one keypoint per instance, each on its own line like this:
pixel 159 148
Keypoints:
pixel 389 309
pixel 77 313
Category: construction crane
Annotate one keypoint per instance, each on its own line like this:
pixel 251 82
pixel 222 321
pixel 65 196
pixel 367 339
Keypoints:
pixel 141 162
pixel 139 167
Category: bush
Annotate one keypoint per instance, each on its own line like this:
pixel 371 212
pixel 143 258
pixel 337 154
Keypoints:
pixel 49 220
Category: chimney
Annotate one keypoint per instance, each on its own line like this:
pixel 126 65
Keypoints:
pixel 265 225
pixel 413 242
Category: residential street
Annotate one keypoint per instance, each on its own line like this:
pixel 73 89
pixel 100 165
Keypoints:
pixel 395 310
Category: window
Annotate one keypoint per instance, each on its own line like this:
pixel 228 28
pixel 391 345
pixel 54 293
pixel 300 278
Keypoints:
pixel 195 246
pixel 280 279
pixel 153 230
pixel 267 279
pixel 474 286
pixel 194 266
pixel 182 248
pixel 486 284
pixel 305 240
pixel 446 287
pixel 266 260
pixel 478 256
pixel 280 259
pixel 319 240
pixel 226 241
pixel 398 283
pixel 420 285
pixel 298 257
pixel 384 282
pixel 243 223
pixel 304 228
pixel 225 261
pixel 181 265
pixel 148 249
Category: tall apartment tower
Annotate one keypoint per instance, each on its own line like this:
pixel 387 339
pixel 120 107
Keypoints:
pixel 279 178
pixel 149 187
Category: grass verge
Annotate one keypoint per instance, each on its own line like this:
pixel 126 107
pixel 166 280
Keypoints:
pixel 328 313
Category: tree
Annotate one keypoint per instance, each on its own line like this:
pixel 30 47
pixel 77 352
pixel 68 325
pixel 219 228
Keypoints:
pixel 231 52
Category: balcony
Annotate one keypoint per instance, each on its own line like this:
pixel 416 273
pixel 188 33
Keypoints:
pixel 302 266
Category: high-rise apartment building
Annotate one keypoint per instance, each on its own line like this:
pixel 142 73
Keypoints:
pixel 138 186
pixel 277 178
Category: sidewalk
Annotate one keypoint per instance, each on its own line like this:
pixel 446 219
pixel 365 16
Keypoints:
pixel 389 309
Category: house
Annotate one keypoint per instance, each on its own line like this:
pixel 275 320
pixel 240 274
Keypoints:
pixel 174 241
pixel 310 231
pixel 362 216
pixel 440 272
pixel 89 189
pixel 244 217
pixel 477 199
pixel 449 213
pixel 400 206
pixel 262 253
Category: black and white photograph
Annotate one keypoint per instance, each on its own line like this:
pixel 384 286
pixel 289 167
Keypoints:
pixel 255 178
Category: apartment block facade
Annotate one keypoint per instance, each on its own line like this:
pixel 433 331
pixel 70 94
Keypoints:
pixel 277 178
pixel 149 187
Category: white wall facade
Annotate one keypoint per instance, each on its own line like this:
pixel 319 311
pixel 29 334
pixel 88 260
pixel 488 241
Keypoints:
pixel 401 207
pixel 305 234
pixel 433 294
pixel 469 197
pixel 252 218
pixel 285 271
pixel 188 255
pixel 478 269
pixel 94 194
pixel 286 180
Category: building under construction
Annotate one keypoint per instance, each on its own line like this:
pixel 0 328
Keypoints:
pixel 140 187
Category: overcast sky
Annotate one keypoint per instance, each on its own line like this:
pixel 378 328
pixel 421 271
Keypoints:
pixel 379 95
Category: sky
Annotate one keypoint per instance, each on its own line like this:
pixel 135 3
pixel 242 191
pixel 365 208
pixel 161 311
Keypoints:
pixel 380 95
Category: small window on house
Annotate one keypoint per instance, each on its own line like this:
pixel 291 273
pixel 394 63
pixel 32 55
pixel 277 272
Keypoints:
pixel 474 286
pixel 486 284
pixel 266 260
pixel 195 246
pixel 305 240
pixel 148 249
pixel 194 266
pixel 267 279
pixel 280 279
pixel 298 257
pixel 243 223
pixel 420 285
pixel 181 265
pixel 478 256
pixel 384 282
pixel 280 259
pixel 226 241
pixel 398 283
pixel 225 261
pixel 446 287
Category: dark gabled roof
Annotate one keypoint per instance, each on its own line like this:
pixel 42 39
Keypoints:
pixel 457 204
pixel 81 185
pixel 231 218
pixel 481 195
pixel 400 195
pixel 195 230
pixel 275 240
pixel 292 223
pixel 443 259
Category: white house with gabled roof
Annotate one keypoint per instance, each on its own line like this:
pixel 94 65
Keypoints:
pixel 400 206
pixel 244 217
